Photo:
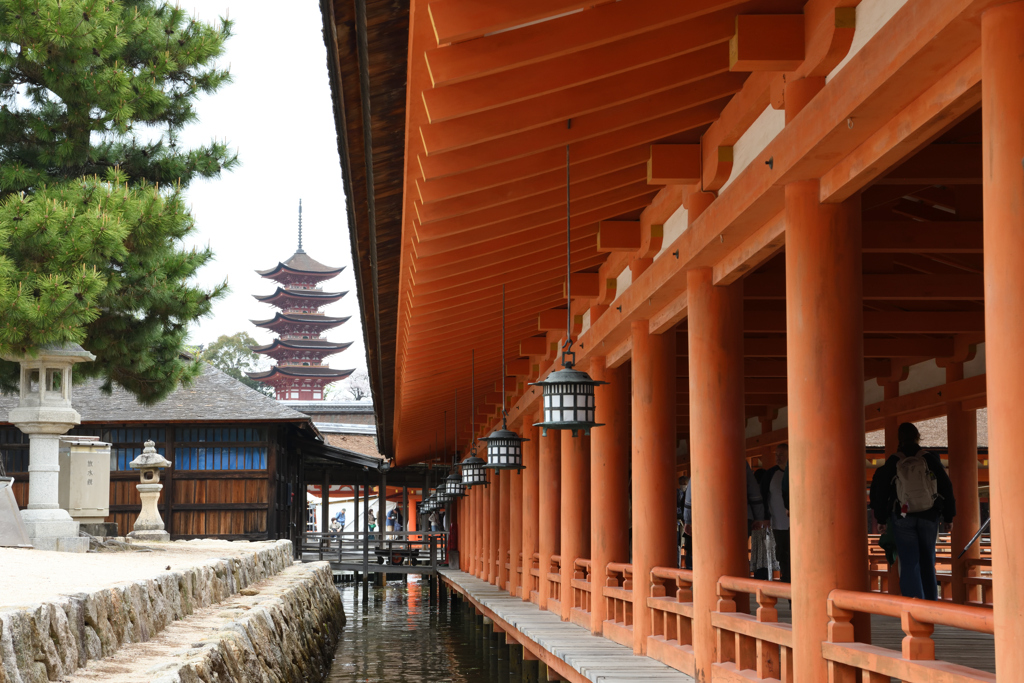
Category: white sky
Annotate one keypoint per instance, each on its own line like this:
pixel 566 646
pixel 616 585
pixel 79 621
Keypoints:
pixel 278 115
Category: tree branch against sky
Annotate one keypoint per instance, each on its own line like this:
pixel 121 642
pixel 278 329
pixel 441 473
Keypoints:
pixel 94 95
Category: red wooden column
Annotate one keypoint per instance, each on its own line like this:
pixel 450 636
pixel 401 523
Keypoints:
pixel 1002 143
pixel 515 530
pixel 463 535
pixel 531 505
pixel 504 482
pixel 609 472
pixel 575 505
pixel 654 463
pixel 717 450
pixel 825 348
pixel 549 473
pixel 962 433
pixel 478 496
pixel 485 529
pixel 493 519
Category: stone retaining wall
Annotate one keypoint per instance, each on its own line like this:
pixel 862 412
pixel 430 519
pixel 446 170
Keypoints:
pixel 289 636
pixel 49 641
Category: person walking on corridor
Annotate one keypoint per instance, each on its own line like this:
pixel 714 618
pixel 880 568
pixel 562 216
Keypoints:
pixel 775 491
pixel 912 492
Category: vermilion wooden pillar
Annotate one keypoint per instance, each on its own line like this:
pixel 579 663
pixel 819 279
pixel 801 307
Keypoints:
pixel 485 530
pixel 515 526
pixel 503 480
pixel 463 535
pixel 478 495
pixel 962 435
pixel 575 505
pixel 610 450
pixel 549 473
pixel 493 521
pixel 825 347
pixel 1002 143
pixel 654 463
pixel 530 499
pixel 717 450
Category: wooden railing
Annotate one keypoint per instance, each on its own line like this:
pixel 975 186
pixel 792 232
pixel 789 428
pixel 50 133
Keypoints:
pixel 978 580
pixel 671 603
pixel 534 574
pixel 555 585
pixel 508 570
pixel 618 597
pixel 756 644
pixel 850 661
pixel 357 550
pixel 582 587
pixel 521 587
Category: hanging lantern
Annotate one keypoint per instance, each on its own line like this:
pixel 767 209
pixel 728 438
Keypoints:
pixel 440 496
pixel 504 449
pixel 568 401
pixel 454 487
pixel 568 393
pixel 473 471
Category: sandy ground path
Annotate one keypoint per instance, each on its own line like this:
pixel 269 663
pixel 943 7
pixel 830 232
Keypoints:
pixel 30 576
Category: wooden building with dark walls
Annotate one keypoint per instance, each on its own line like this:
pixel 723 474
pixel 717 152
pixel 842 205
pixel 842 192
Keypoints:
pixel 236 457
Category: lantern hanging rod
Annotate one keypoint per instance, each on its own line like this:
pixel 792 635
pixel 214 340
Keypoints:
pixel 472 398
pixel 455 453
pixel 568 357
pixel 445 459
pixel 504 413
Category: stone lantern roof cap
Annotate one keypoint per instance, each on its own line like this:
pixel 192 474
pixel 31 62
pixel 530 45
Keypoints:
pixel 65 352
pixel 149 458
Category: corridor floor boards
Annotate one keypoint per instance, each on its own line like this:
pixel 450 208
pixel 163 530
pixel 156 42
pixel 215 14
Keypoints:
pixel 571 651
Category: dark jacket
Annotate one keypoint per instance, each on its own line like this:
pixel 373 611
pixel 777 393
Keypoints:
pixel 766 483
pixel 883 491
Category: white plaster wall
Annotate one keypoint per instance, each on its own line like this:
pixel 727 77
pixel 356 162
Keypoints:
pixel 586 321
pixel 769 124
pixel 753 427
pixel 923 376
pixel 624 280
pixel 782 421
pixel 675 226
pixel 976 367
pixel 872 15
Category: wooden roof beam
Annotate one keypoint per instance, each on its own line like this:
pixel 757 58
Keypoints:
pixel 602 61
pixel 899 347
pixel 882 322
pixel 576 102
pixel 922 238
pixel 584 286
pixel 674 165
pixel 939 164
pixel 514 189
pixel 564 35
pixel 487 240
pixel 618 236
pixel 581 212
pixel 432 217
pixel 600 133
pixel 882 287
pixel 455 21
pixel 767 42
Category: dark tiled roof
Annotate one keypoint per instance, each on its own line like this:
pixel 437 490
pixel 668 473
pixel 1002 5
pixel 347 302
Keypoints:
pixel 302 344
pixel 300 294
pixel 301 371
pixel 303 263
pixel 299 318
pixel 214 396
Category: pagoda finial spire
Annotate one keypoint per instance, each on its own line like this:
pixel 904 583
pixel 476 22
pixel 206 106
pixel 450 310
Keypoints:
pixel 300 225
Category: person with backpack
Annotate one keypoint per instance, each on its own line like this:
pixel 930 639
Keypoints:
pixel 912 493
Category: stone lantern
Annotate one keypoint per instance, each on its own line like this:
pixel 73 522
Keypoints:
pixel 149 526
pixel 44 412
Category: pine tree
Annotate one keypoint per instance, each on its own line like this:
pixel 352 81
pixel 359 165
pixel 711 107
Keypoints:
pixel 93 96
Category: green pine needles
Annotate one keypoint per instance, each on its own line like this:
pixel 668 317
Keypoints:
pixel 93 95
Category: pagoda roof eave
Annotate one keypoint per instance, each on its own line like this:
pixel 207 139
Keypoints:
pixel 302 344
pixel 325 297
pixel 307 372
pixel 314 319
pixel 302 264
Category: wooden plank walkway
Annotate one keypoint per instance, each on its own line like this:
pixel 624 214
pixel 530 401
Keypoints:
pixel 594 658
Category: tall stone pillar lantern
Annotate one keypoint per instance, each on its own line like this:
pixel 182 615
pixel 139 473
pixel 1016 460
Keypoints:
pixel 149 526
pixel 44 412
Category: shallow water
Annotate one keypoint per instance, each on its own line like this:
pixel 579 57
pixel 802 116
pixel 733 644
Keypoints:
pixel 399 636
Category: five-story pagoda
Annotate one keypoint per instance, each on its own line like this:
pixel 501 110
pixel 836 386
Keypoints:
pixel 300 373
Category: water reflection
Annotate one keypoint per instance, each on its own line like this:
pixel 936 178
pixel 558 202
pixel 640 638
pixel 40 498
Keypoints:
pixel 400 635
